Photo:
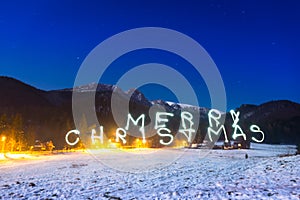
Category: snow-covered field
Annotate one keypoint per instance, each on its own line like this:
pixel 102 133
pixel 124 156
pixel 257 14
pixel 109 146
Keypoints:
pixel 218 175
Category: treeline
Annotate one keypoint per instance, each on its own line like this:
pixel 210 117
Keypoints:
pixel 19 131
pixel 12 133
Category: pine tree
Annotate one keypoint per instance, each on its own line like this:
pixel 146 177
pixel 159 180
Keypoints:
pixel 3 122
pixel 30 135
pixel 84 131
pixel 17 133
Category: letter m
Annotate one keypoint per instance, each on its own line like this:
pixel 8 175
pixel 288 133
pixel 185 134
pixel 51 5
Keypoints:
pixel 211 130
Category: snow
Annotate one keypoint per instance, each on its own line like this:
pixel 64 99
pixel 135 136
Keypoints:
pixel 202 174
pixel 92 87
pixel 247 115
pixel 187 106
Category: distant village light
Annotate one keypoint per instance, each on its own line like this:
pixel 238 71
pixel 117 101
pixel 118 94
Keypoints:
pixel 3 142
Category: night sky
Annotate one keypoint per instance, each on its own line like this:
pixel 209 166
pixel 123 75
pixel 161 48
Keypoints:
pixel 255 44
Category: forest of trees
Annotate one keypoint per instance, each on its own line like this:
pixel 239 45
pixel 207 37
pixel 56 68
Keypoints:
pixel 17 133
pixel 12 133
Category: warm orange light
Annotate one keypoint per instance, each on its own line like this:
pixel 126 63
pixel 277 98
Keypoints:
pixel 22 156
pixel 3 138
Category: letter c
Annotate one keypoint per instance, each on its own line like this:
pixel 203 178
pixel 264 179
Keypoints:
pixel 77 139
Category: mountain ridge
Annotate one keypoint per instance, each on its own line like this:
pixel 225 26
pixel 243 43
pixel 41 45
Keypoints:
pixel 49 113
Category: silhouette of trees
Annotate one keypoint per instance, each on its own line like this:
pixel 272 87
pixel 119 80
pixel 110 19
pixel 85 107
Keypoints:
pixel 12 128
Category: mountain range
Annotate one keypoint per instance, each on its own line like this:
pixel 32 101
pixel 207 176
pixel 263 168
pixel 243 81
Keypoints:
pixel 47 115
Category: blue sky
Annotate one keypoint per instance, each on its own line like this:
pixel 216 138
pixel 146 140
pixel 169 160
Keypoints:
pixel 255 44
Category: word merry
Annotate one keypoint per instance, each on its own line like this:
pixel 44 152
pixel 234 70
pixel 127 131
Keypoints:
pixel 186 128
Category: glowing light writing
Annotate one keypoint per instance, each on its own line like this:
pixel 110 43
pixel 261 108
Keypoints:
pixel 216 127
pixel 142 128
pixel 255 129
pixel 187 131
pixel 214 116
pixel 121 136
pixel 94 136
pixel 159 119
pixel 162 127
pixel 235 118
pixel 76 132
pixel 161 134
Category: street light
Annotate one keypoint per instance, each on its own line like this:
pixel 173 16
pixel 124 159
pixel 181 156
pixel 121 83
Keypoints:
pixel 3 142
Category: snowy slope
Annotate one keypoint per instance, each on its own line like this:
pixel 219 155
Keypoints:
pixel 187 106
pixel 219 175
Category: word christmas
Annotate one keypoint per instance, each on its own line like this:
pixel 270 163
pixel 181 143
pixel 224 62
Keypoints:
pixel 161 118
